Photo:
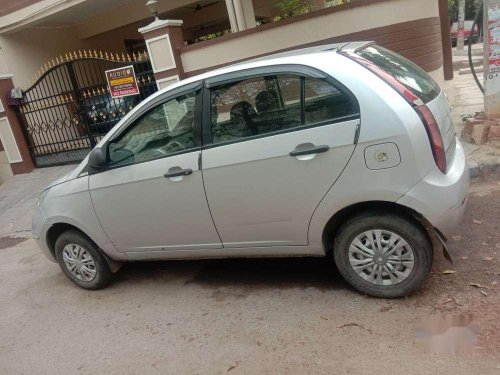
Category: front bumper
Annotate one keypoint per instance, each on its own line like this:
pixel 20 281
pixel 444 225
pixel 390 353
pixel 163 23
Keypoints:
pixel 40 227
pixel 441 198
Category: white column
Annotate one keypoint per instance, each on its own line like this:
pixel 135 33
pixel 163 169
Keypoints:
pixel 232 16
pixel 163 40
pixel 248 13
pixel 244 14
pixel 240 17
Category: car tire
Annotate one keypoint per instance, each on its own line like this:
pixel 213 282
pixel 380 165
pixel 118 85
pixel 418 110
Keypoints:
pixel 81 261
pixel 383 255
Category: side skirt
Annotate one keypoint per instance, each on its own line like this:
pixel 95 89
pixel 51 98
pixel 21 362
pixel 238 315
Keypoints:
pixel 251 252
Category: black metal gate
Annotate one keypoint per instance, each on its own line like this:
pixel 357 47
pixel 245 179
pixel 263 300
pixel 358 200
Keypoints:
pixel 68 109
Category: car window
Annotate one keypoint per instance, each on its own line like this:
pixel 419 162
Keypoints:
pixel 166 129
pixel 265 105
pixel 324 102
pixel 404 71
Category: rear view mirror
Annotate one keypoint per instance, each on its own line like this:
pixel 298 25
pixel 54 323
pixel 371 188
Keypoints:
pixel 97 160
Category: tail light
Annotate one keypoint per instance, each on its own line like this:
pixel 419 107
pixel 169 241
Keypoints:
pixel 434 135
pixel 430 124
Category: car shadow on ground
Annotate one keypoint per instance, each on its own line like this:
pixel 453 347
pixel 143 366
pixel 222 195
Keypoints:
pixel 282 273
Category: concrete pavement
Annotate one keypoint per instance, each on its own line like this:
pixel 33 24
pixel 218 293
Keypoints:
pixel 467 100
pixel 249 316
pixel 18 197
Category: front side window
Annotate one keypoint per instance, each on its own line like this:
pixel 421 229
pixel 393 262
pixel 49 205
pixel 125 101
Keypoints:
pixel 270 104
pixel 165 129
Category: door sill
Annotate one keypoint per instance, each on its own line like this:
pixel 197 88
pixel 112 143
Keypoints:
pixel 248 252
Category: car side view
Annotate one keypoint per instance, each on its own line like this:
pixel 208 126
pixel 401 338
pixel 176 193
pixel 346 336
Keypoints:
pixel 345 150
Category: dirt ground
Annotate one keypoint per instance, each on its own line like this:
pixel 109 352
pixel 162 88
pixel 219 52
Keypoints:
pixel 249 316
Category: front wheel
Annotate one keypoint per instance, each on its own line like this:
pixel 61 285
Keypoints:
pixel 383 255
pixel 81 261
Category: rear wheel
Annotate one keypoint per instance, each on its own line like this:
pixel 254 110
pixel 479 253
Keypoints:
pixel 383 255
pixel 81 261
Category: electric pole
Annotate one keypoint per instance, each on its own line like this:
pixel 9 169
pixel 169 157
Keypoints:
pixel 491 19
pixel 461 24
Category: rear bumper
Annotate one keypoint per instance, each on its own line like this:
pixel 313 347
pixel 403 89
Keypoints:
pixel 441 198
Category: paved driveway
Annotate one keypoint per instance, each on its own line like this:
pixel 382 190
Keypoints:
pixel 18 196
pixel 248 316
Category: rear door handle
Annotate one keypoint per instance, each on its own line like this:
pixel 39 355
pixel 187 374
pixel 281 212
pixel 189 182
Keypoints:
pixel 178 173
pixel 309 151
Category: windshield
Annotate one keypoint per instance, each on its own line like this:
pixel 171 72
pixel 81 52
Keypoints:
pixel 406 72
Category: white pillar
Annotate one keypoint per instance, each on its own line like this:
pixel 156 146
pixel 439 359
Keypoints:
pixel 232 16
pixel 240 17
pixel 163 41
pixel 248 13
pixel 242 13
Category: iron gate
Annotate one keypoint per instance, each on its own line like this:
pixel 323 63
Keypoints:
pixel 68 108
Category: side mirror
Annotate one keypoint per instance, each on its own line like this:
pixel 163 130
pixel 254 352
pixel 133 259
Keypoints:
pixel 97 160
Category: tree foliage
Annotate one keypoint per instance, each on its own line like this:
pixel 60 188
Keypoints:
pixel 291 8
pixel 332 3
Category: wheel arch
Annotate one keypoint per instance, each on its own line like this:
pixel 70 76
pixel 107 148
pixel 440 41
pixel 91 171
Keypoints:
pixel 334 223
pixel 56 230
pixel 59 228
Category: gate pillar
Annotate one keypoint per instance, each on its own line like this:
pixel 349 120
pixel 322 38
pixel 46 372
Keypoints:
pixel 11 134
pixel 163 41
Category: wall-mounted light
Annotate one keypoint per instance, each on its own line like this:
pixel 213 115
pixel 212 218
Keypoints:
pixel 152 5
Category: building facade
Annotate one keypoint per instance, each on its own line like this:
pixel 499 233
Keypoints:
pixel 38 37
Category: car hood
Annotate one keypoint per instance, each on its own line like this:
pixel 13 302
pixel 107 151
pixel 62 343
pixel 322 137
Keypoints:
pixel 58 181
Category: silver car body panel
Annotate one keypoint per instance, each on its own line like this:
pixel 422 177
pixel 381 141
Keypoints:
pixel 441 198
pixel 295 210
pixel 173 212
pixel 262 196
pixel 70 203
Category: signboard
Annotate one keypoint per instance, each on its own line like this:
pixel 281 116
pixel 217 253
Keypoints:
pixel 122 82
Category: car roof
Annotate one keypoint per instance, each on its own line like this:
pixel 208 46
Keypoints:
pixel 293 55
pixel 296 52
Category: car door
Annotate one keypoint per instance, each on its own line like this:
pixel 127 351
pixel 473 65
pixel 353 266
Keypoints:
pixel 274 144
pixel 151 196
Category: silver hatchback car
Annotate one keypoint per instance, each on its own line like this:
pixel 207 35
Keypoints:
pixel 345 150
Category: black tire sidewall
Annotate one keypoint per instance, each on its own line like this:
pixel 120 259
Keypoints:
pixel 103 274
pixel 405 227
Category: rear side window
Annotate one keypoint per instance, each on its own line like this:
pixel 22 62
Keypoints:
pixel 403 70
pixel 270 104
pixel 324 101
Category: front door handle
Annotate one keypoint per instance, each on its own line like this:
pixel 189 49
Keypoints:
pixel 175 172
pixel 310 150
